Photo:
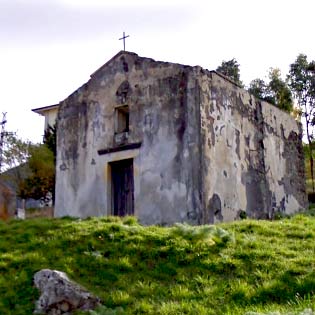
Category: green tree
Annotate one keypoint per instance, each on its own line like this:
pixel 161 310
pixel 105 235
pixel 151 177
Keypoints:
pixel 276 91
pixel 14 167
pixel 30 168
pixel 15 151
pixel 301 80
pixel 280 91
pixel 231 69
pixel 40 183
pixel 258 88
pixel 50 138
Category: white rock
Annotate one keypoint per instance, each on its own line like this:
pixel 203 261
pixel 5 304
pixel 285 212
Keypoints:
pixel 60 295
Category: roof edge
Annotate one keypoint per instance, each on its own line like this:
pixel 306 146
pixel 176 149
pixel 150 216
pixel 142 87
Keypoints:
pixel 41 110
pixel 122 52
pixel 226 78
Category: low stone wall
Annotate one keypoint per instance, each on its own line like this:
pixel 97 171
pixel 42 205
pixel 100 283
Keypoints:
pixel 45 212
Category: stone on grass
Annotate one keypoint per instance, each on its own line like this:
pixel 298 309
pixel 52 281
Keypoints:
pixel 60 295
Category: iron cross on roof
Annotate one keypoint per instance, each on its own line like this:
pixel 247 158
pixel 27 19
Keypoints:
pixel 123 38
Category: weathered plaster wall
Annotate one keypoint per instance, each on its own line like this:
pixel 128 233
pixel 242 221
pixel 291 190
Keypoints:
pixel 163 118
pixel 206 151
pixel 284 162
pixel 248 149
pixel 50 117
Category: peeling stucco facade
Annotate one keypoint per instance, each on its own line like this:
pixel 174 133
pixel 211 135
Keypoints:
pixel 203 149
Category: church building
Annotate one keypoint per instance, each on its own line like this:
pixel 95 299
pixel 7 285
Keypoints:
pixel 174 143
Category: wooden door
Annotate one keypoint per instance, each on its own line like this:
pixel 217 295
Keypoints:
pixel 123 187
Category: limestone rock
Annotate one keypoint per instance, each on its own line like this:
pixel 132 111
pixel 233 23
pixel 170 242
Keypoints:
pixel 60 295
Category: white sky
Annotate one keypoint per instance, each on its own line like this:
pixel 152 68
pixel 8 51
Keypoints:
pixel 48 48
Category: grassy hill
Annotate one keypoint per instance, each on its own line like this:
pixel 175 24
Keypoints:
pixel 237 268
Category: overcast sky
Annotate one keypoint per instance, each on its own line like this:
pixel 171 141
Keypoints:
pixel 48 48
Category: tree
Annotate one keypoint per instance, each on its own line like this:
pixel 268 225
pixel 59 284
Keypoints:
pixel 30 168
pixel 276 91
pixel 280 91
pixel 15 151
pixel 50 139
pixel 231 69
pixel 14 161
pixel 40 184
pixel 259 88
pixel 301 80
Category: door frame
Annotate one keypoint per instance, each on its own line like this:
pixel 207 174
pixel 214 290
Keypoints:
pixel 131 164
pixel 107 176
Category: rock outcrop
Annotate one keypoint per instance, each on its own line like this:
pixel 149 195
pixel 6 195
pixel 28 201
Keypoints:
pixel 60 295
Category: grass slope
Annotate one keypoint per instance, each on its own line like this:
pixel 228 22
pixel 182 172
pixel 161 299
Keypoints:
pixel 235 268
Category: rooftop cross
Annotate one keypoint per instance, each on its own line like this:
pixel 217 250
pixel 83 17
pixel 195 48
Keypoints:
pixel 123 38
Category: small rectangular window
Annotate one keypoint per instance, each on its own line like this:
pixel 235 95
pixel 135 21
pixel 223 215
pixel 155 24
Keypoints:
pixel 122 119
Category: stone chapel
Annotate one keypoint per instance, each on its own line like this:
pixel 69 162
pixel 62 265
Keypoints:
pixel 173 143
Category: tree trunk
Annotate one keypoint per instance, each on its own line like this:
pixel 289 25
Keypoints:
pixel 311 165
pixel 311 154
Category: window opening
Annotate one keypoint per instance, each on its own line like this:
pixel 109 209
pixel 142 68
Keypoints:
pixel 122 119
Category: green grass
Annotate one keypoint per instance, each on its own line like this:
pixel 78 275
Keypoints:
pixel 234 269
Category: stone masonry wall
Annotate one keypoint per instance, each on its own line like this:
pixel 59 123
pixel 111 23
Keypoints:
pixel 249 146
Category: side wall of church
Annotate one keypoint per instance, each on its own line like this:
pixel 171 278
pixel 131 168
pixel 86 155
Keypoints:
pixel 164 125
pixel 252 154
